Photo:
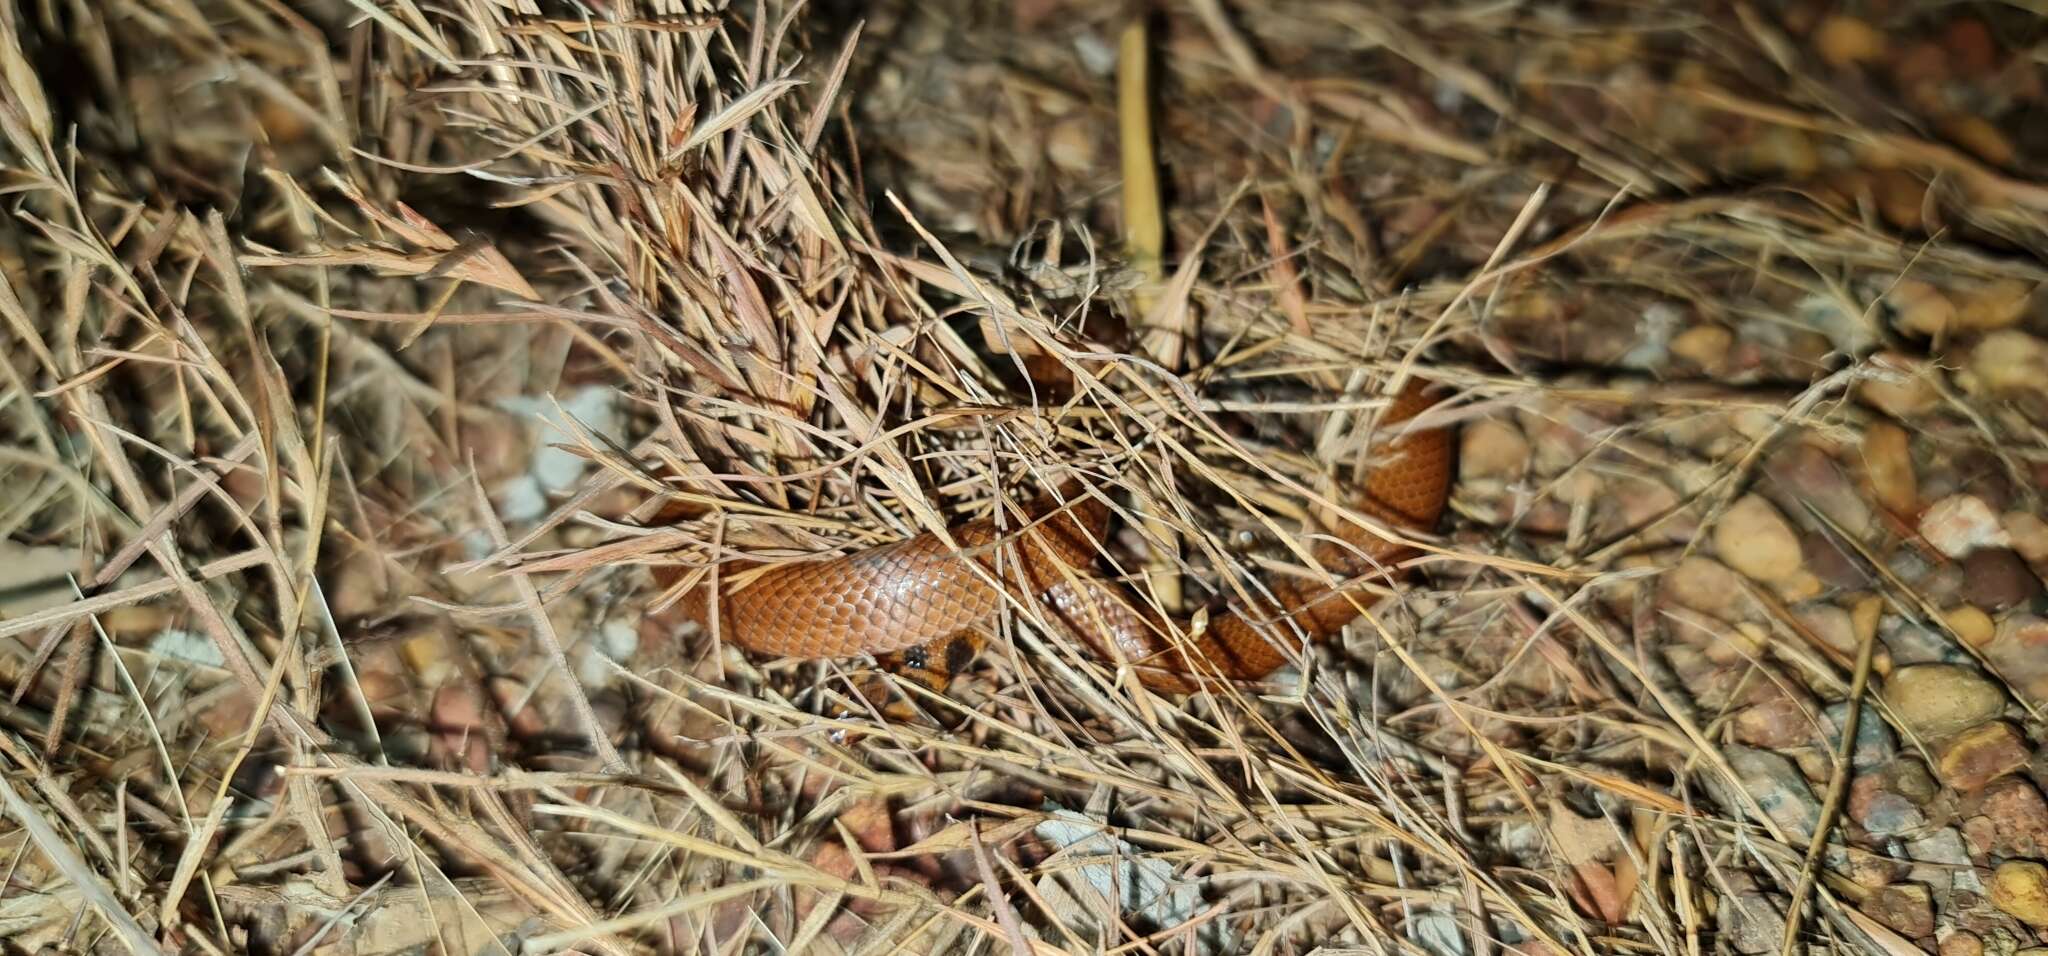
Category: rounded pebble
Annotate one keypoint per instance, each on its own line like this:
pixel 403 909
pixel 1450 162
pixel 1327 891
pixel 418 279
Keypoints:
pixel 2019 888
pixel 1846 41
pixel 1491 448
pixel 1918 308
pixel 1998 578
pixel 2029 535
pixel 1888 462
pixel 1960 524
pixel 2009 361
pixel 1936 700
pixel 1971 624
pixel 1754 539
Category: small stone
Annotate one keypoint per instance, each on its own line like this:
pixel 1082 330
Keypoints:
pixel 2029 535
pixel 1874 742
pixel 1901 199
pixel 1936 700
pixel 1843 41
pixel 1783 151
pixel 1998 578
pixel 1947 859
pixel 1909 778
pixel 1778 788
pixel 2014 819
pixel 1881 811
pixel 1704 347
pixel 1993 306
pixel 1919 73
pixel 1905 907
pixel 1709 587
pixel 1980 137
pixel 1829 563
pixel 1962 943
pixel 1904 390
pixel 1492 448
pixel 1970 46
pixel 1969 623
pixel 1755 540
pixel 1918 308
pixel 1805 474
pixel 2009 361
pixel 1829 624
pixel 2019 888
pixel 2020 653
pixel 1888 463
pixel 1982 754
pixel 1071 145
pixel 1960 524
pixel 1779 723
pixel 1750 923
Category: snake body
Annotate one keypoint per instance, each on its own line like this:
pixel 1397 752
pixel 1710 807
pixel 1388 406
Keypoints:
pixel 922 590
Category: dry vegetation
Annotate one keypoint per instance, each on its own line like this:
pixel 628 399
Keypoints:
pixel 379 374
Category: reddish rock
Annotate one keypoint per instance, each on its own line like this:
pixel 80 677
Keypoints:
pixel 1905 907
pixel 2008 818
pixel 1995 579
pixel 1779 723
pixel 1982 754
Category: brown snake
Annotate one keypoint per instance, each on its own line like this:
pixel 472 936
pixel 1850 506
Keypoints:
pixel 921 592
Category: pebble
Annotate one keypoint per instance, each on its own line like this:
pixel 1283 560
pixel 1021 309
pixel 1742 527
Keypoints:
pixel 1709 587
pixel 1901 199
pixel 1829 564
pixel 2009 818
pixel 1779 723
pixel 1907 394
pixel 1936 700
pixel 1960 524
pixel 1843 41
pixel 1981 137
pixel 2020 653
pixel 1971 624
pixel 1881 811
pixel 1874 741
pixel 2019 888
pixel 1918 308
pixel 1829 624
pixel 2009 361
pixel 1754 539
pixel 1982 754
pixel 1888 463
pixel 1970 45
pixel 1750 923
pixel 1919 74
pixel 1995 305
pixel 2029 535
pixel 1493 449
pixel 1804 473
pixel 1905 907
pixel 1071 145
pixel 1704 347
pixel 1948 861
pixel 1778 788
pixel 1961 943
pixel 1998 578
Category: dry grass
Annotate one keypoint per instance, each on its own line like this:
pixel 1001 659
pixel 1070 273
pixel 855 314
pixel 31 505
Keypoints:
pixel 298 666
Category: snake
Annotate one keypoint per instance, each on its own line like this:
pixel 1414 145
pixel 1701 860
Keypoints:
pixel 917 595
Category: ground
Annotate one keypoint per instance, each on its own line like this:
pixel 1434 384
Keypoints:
pixel 381 376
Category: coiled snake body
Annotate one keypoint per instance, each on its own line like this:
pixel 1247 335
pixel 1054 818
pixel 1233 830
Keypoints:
pixel 921 592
